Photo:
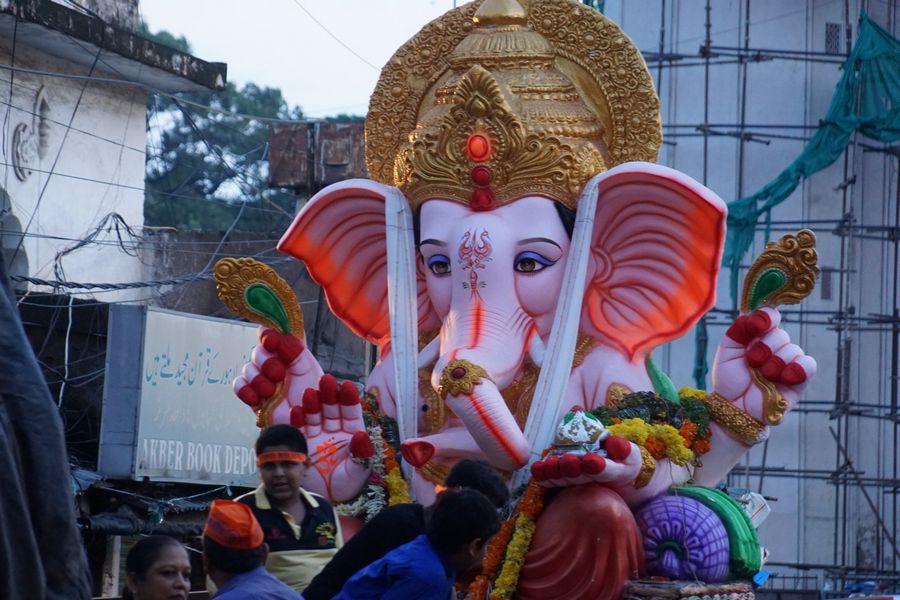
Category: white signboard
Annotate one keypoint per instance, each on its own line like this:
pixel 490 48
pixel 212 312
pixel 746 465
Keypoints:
pixel 188 424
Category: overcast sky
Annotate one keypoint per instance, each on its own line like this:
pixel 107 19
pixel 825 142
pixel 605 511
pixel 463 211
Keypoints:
pixel 276 43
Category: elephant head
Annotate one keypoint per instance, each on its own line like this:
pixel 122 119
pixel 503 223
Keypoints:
pixel 490 280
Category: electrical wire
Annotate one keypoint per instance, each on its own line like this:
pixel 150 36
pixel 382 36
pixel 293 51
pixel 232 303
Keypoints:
pixel 62 387
pixel 152 90
pixel 334 37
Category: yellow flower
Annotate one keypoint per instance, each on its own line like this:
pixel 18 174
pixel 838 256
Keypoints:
pixel 398 493
pixel 633 430
pixel 637 431
pixel 691 392
pixel 508 579
pixel 676 450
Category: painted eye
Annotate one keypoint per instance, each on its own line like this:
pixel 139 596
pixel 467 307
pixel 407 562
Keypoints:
pixel 531 262
pixel 439 265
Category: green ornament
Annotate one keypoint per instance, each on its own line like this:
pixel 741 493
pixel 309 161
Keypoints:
pixel 265 302
pixel 766 285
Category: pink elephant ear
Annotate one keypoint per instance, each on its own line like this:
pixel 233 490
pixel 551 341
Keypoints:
pixel 655 255
pixel 341 237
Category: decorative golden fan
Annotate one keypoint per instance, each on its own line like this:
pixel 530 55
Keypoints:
pixel 254 291
pixel 785 273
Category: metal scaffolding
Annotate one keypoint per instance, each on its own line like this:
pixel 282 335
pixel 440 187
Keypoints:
pixel 854 487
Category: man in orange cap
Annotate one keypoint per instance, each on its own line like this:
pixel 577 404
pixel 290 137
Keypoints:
pixel 234 553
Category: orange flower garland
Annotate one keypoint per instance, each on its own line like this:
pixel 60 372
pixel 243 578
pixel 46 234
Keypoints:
pixel 655 447
pixel 507 549
pixel 530 507
pixel 688 431
pixel 493 556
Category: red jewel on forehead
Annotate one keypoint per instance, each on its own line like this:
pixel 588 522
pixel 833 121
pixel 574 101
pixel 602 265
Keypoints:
pixel 478 147
pixel 482 199
pixel 481 176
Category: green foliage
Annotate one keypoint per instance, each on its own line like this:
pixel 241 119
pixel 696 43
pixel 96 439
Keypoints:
pixel 203 164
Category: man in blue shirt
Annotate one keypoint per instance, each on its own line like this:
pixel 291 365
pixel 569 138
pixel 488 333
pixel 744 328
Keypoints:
pixel 460 526
pixel 234 553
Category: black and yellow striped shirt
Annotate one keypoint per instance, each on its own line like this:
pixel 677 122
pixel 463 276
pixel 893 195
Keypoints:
pixel 297 552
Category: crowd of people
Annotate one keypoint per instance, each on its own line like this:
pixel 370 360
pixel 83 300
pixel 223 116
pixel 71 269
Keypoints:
pixel 281 542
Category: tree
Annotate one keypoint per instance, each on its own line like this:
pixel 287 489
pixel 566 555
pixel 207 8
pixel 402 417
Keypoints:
pixel 204 164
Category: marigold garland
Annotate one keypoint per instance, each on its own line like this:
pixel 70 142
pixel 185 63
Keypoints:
pixel 656 447
pixel 691 392
pixel 633 430
pixel 660 440
pixel 688 431
pixel 507 549
pixel 493 557
pixel 530 507
pixel 508 579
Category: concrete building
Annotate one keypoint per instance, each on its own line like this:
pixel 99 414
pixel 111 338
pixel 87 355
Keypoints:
pixel 73 87
pixel 772 71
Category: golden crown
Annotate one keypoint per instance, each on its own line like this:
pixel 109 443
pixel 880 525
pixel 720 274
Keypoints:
pixel 501 99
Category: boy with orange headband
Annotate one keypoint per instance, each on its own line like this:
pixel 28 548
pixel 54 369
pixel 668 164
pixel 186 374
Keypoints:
pixel 301 529
pixel 234 553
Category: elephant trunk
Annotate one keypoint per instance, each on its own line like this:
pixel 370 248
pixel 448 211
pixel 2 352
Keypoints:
pixel 482 349
pixel 475 399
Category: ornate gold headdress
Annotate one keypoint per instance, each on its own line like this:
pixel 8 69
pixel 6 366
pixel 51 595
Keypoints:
pixel 500 99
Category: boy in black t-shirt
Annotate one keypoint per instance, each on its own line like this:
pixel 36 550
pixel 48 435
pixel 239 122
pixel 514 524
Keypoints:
pixel 301 529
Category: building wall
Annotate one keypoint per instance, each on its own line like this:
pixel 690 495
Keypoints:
pixel 124 14
pixel 804 523
pixel 97 165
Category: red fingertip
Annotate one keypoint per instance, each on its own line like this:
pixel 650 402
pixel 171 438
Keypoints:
pixel 328 389
pixel 773 368
pixel 290 348
pixel 793 374
pixel 271 340
pixel 298 419
pixel 262 386
pixel 537 471
pixel 311 403
pixel 593 464
pixel 570 465
pixel 348 395
pixel 551 468
pixel 758 323
pixel 274 369
pixel 248 396
pixel 758 354
pixel 617 448
pixel 361 446
pixel 738 331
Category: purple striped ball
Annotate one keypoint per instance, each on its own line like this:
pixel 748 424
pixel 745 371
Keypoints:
pixel 683 539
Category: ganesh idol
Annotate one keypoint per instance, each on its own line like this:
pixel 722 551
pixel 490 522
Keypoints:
pixel 516 256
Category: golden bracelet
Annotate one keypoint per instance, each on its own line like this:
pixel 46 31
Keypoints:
pixel 735 421
pixel 648 468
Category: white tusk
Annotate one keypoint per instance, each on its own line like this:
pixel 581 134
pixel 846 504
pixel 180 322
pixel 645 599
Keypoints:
pixel 429 353
pixel 536 350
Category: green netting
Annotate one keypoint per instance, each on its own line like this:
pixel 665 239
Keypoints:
pixel 867 100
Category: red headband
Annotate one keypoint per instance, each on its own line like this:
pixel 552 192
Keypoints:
pixel 280 456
